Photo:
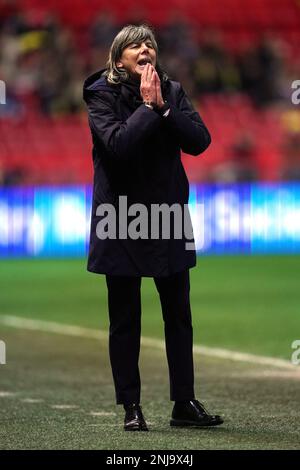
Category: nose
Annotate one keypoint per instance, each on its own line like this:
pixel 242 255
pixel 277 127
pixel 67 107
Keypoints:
pixel 144 47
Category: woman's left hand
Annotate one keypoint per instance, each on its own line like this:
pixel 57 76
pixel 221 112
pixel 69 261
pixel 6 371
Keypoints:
pixel 159 99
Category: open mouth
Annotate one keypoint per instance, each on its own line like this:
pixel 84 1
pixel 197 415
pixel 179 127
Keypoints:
pixel 142 62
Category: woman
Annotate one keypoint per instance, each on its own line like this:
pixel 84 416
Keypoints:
pixel 140 121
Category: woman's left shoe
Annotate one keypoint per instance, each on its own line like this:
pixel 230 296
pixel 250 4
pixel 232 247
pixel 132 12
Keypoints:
pixel 193 413
pixel 134 419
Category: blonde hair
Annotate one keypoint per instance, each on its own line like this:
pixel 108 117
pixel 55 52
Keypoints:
pixel 128 35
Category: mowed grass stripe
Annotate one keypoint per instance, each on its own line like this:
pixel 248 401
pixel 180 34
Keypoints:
pixel 73 330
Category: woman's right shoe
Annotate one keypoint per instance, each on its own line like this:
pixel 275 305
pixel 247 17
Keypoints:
pixel 134 419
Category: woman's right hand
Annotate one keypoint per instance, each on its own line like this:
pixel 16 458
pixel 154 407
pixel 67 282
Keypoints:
pixel 148 84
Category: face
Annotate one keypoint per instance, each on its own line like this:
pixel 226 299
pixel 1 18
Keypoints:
pixel 135 57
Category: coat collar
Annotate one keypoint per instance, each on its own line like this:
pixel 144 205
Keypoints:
pixel 97 82
pixel 129 90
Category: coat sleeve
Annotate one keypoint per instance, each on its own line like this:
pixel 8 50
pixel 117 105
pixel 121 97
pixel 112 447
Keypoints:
pixel 189 129
pixel 122 139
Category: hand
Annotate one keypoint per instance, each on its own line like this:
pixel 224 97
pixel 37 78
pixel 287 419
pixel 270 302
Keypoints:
pixel 159 99
pixel 148 86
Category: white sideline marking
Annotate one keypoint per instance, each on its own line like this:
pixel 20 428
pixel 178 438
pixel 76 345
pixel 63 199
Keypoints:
pixel 272 374
pixel 64 407
pixel 32 400
pixel 7 394
pixel 102 413
pixel 114 425
pixel 104 424
pixel 72 330
pixel 51 327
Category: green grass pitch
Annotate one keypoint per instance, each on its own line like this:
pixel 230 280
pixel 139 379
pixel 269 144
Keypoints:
pixel 56 391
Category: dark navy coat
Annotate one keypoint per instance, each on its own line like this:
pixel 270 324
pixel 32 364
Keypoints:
pixel 137 153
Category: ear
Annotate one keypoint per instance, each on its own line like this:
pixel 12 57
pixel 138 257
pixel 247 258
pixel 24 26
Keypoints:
pixel 119 64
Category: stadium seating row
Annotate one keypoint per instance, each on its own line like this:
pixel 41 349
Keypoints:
pixel 218 13
pixel 59 150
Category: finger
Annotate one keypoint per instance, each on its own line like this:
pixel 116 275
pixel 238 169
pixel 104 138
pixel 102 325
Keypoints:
pixel 157 76
pixel 147 82
pixel 158 91
pixel 151 70
pixel 157 83
pixel 142 80
pixel 157 80
pixel 153 85
pixel 152 79
pixel 147 72
pixel 144 74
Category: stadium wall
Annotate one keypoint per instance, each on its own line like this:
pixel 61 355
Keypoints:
pixel 232 219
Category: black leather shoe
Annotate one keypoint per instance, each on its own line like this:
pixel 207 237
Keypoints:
pixel 134 419
pixel 193 413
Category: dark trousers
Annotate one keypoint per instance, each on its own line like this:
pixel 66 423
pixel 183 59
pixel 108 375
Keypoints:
pixel 124 303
